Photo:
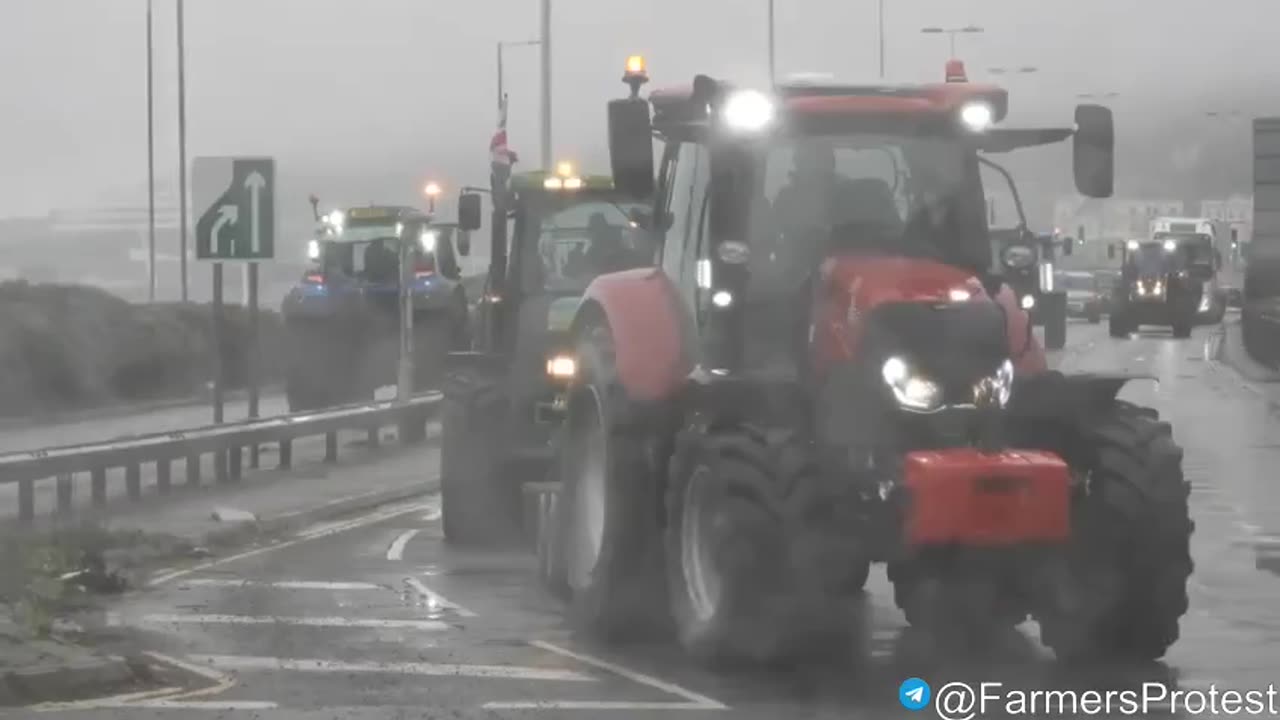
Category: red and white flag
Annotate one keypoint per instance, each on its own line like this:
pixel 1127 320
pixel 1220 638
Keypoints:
pixel 500 155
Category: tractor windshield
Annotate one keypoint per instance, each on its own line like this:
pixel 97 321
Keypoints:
pixel 576 241
pixel 1149 259
pixel 912 195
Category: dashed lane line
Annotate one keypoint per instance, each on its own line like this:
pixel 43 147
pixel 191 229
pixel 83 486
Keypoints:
pixel 692 700
pixel 396 551
pixel 116 620
pixel 282 584
pixel 504 672
pixel 435 600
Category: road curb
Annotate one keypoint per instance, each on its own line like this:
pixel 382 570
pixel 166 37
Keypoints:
pixel 279 524
pixel 72 680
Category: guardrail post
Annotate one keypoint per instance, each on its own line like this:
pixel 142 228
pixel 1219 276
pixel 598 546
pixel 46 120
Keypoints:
pixel 255 452
pixel 374 437
pixel 26 500
pixel 164 480
pixel 235 461
pixel 286 454
pixel 133 481
pixel 64 494
pixel 98 486
pixel 331 447
pixel 193 469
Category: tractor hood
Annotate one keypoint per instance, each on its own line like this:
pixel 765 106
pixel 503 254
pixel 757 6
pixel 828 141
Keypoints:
pixel 869 280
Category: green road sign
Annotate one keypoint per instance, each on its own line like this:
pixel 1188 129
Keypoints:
pixel 235 209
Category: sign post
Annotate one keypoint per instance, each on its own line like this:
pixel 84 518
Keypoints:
pixel 235 222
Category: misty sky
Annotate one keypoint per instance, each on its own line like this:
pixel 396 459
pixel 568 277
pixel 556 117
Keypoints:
pixel 331 85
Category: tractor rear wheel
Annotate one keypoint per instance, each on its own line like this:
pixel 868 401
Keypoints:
pixel 760 562
pixel 1182 328
pixel 1117 324
pixel 1131 553
pixel 607 509
pixel 479 505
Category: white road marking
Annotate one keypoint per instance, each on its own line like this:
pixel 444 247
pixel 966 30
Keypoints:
pixel 176 619
pixel 283 584
pixel 311 534
pixel 396 551
pixel 203 704
pixel 437 600
pixel 594 705
pixel 695 701
pixel 432 516
pixel 204 672
pixel 506 672
pixel 111 701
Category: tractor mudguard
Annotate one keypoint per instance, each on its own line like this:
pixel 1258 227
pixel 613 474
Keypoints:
pixel 1055 396
pixel 1027 355
pixel 746 400
pixel 651 330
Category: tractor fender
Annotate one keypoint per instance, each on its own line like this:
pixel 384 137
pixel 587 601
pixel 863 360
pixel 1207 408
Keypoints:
pixel 1051 395
pixel 1027 354
pixel 651 328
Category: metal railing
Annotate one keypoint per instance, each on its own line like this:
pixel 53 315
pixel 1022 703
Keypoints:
pixel 227 443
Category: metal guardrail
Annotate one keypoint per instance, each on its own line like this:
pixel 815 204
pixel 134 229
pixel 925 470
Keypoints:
pixel 226 442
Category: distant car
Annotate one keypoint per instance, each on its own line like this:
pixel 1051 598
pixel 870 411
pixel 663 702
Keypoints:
pixel 1084 294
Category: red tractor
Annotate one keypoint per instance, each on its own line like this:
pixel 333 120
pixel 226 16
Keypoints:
pixel 825 369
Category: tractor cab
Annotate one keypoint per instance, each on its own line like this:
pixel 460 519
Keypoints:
pixel 778 194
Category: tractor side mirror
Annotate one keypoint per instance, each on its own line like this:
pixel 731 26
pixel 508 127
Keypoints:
pixel 1093 151
pixel 469 212
pixel 631 147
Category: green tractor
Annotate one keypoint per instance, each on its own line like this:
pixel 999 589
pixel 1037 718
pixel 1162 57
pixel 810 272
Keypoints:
pixel 552 233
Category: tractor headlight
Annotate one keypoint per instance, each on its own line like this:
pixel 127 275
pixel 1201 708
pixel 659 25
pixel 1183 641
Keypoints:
pixel 313 250
pixel 1170 245
pixel 562 367
pixel 977 116
pixel 428 241
pixel 911 390
pixel 997 387
pixel 748 110
pixel 1206 303
pixel 1028 302
pixel 1132 245
pixel 1018 256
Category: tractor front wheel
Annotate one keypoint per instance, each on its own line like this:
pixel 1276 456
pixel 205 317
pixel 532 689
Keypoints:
pixel 1126 576
pixel 479 505
pixel 760 564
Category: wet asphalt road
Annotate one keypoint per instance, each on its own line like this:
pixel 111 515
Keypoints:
pixel 376 619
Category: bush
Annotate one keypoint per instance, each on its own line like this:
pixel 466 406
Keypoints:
pixel 67 347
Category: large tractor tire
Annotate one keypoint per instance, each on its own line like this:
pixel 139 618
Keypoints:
pixel 479 504
pixel 1118 325
pixel 761 563
pixel 323 368
pixel 607 509
pixel 1182 327
pixel 1131 552
pixel 1054 309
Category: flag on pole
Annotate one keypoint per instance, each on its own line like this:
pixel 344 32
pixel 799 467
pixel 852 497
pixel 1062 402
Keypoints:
pixel 501 157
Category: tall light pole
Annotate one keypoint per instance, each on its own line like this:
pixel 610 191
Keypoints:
pixel 772 47
pixel 952 32
pixel 880 23
pixel 151 165
pixel 182 152
pixel 502 92
pixel 545 45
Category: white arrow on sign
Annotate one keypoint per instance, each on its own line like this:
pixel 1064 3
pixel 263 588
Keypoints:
pixel 255 182
pixel 227 214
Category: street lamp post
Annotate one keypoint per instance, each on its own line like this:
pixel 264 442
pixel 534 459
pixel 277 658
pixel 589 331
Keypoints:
pixel 772 47
pixel 952 33
pixel 507 44
pixel 880 23
pixel 545 47
pixel 182 166
pixel 151 164
pixel 408 237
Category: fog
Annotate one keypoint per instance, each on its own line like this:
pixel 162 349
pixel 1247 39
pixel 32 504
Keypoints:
pixel 371 98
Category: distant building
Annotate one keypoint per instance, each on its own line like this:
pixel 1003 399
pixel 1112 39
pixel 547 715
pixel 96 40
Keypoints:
pixel 1236 211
